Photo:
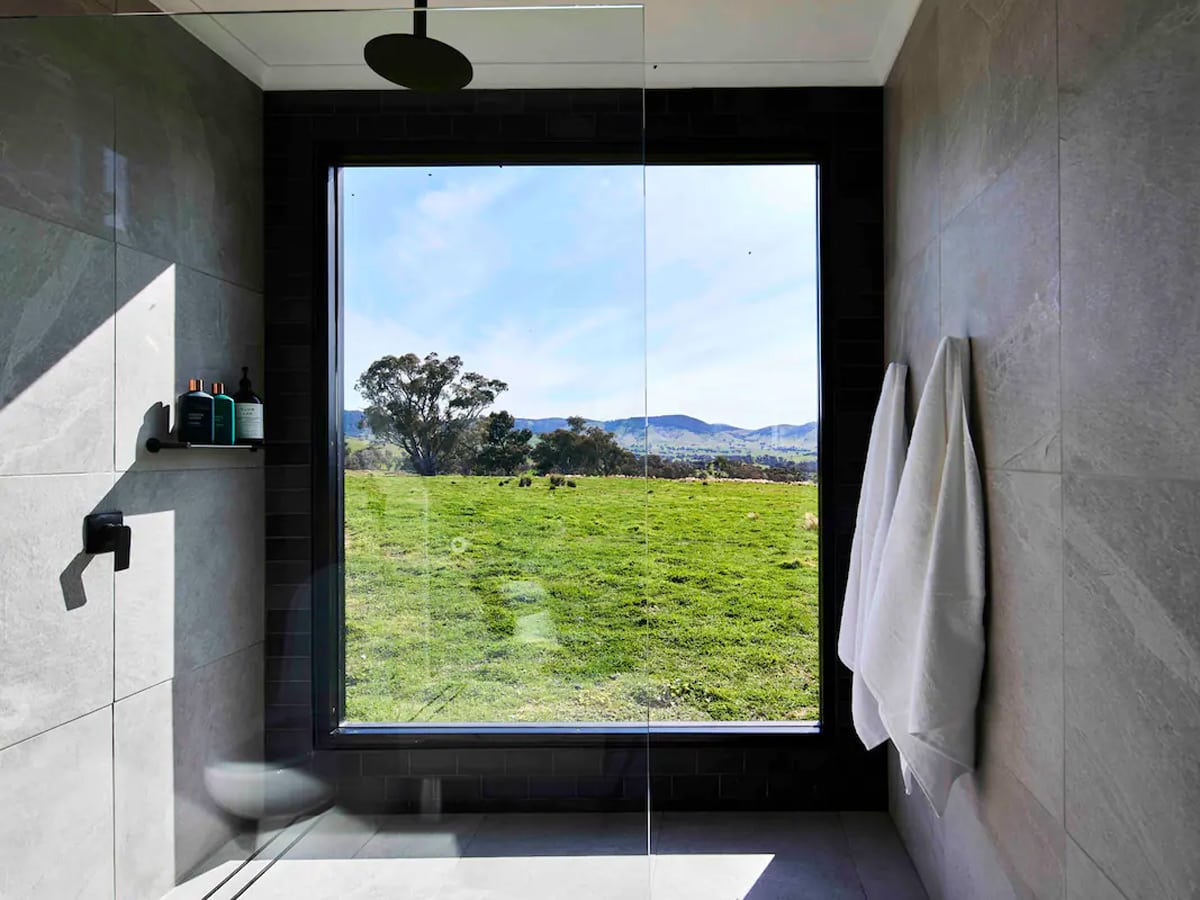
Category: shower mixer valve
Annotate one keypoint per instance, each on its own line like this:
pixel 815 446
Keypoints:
pixel 107 533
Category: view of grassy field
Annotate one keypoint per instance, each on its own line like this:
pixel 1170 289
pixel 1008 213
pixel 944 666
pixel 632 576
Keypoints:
pixel 469 598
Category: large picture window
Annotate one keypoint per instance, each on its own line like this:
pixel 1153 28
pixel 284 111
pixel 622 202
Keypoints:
pixel 580 444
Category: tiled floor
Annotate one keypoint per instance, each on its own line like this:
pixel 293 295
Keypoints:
pixel 693 856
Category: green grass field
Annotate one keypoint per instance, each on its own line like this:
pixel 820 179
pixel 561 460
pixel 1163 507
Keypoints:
pixel 617 599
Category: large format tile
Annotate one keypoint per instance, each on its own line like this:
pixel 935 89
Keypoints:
pixel 560 835
pixel 357 879
pixel 144 794
pixel 996 88
pixel 718 876
pixel 56 348
pixel 56 605
pixel 914 319
pixel 999 280
pixel 193 591
pixel 919 827
pixel 1130 245
pixel 1085 881
pixel 217 715
pixel 972 865
pixel 999 841
pixel 56 116
pixel 174 323
pixel 1022 699
pixel 425 837
pixel 549 878
pixel 913 143
pixel 1093 37
pixel 336 835
pixel 56 830
pixel 884 867
pixel 807 854
pixel 1133 680
pixel 190 139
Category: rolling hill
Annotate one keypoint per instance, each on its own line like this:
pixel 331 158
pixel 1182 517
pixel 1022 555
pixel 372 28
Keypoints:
pixel 675 437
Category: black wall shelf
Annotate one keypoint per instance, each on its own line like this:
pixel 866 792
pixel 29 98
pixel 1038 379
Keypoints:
pixel 154 445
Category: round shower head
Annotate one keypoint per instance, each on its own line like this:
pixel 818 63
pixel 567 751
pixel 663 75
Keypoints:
pixel 417 61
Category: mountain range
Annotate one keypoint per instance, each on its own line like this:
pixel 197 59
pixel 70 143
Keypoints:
pixel 674 436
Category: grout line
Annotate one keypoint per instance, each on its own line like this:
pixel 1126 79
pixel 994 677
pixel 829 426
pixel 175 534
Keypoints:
pixel 113 481
pixel 853 857
pixel 58 223
pixel 57 725
pixel 1106 476
pixel 1092 860
pixel 141 690
pixel 182 265
pixel 112 761
pixel 212 662
pixel 133 470
pixel 376 819
pixel 1062 450
pixel 470 839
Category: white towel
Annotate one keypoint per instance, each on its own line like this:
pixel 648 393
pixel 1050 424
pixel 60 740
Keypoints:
pixel 922 655
pixel 881 479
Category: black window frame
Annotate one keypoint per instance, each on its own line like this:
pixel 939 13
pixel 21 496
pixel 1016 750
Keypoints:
pixel 839 130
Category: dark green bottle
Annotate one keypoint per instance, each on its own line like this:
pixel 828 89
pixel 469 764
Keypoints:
pixel 194 416
pixel 224 430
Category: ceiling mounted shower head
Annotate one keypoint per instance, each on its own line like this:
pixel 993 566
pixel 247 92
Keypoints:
pixel 417 61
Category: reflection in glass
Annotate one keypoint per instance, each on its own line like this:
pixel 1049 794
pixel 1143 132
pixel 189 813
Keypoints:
pixel 495 534
pixel 732 437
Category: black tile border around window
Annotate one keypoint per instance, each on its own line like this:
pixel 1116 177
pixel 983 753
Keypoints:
pixel 838 128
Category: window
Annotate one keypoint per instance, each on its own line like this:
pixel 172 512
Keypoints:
pixel 597 502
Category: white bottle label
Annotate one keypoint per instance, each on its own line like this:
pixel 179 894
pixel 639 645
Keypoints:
pixel 249 422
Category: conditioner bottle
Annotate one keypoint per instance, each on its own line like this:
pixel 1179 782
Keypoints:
pixel 224 430
pixel 194 418
pixel 249 412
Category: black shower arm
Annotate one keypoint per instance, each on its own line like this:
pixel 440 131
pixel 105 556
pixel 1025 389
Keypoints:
pixel 421 18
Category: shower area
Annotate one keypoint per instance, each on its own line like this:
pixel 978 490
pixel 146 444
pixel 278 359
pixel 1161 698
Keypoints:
pixel 238 711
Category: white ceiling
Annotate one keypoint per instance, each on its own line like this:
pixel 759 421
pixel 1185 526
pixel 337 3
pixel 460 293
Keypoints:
pixel 300 45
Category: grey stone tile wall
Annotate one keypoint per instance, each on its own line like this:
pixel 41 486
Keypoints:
pixel 1066 144
pixel 130 260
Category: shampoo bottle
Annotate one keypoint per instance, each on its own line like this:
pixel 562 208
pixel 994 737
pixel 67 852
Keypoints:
pixel 249 412
pixel 223 417
pixel 194 416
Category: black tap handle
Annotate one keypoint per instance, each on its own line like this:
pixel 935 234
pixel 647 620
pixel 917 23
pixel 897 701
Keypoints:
pixel 108 533
pixel 122 538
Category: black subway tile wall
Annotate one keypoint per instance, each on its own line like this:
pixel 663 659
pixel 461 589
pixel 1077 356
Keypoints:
pixel 841 128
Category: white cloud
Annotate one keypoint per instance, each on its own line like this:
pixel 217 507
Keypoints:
pixel 445 249
pixel 548 370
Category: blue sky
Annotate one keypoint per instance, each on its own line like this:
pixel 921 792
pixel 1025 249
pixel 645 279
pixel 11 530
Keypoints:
pixel 590 291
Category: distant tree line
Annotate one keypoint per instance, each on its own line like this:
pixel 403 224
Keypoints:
pixel 433 412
